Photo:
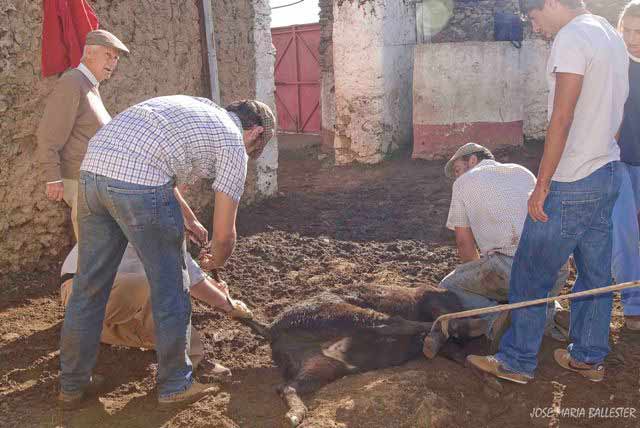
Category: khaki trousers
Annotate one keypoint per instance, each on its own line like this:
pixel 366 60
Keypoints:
pixel 128 320
pixel 70 196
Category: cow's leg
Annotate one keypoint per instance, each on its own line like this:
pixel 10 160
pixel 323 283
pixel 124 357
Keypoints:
pixel 297 410
pixel 399 326
pixel 433 342
pixel 315 371
pixel 463 328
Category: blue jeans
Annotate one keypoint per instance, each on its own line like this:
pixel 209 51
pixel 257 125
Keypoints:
pixel 625 262
pixel 110 214
pixel 579 223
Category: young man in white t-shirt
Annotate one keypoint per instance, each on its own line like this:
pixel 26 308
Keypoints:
pixel 578 183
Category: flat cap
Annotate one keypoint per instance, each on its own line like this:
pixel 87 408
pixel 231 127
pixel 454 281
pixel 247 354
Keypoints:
pixel 105 38
pixel 467 149
pixel 267 118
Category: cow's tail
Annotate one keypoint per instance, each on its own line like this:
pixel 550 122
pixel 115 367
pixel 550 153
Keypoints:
pixel 257 327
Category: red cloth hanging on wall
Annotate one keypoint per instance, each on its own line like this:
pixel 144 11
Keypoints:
pixel 65 26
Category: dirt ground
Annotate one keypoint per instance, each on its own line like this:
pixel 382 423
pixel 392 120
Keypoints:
pixel 327 229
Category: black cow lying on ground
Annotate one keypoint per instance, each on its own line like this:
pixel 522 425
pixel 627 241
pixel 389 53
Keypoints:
pixel 327 337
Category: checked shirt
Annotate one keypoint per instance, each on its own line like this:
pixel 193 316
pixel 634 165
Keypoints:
pixel 177 137
pixel 491 199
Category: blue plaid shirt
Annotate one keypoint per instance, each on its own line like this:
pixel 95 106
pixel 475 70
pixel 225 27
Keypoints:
pixel 176 137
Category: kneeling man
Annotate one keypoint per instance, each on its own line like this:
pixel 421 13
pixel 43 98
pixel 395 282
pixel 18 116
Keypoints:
pixel 128 319
pixel 488 210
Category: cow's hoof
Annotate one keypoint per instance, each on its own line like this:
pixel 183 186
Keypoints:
pixel 297 409
pixel 293 420
pixel 295 417
pixel 432 344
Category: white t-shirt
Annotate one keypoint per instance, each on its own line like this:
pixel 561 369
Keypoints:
pixel 590 46
pixel 131 264
pixel 491 199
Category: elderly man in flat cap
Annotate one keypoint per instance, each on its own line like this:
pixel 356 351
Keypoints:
pixel 488 210
pixel 128 193
pixel 73 114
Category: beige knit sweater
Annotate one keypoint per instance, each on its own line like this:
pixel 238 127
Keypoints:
pixel 73 114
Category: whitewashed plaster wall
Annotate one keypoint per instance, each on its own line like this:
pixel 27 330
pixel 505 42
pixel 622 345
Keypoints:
pixel 266 181
pixel 373 44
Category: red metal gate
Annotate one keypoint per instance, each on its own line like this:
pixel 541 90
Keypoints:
pixel 297 76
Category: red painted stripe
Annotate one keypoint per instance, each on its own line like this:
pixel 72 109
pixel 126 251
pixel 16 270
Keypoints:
pixel 441 141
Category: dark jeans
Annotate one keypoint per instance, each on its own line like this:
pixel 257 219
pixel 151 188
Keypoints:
pixel 625 261
pixel 579 223
pixel 110 214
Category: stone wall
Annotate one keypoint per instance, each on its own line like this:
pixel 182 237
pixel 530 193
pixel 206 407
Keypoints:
pixel 472 20
pixel 463 20
pixel 266 166
pixel 373 44
pixel 164 37
pixel 234 49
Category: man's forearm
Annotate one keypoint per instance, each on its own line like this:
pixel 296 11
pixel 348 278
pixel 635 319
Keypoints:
pixel 187 213
pixel 223 248
pixel 224 228
pixel 466 243
pixel 468 253
pixel 568 88
pixel 553 147
pixel 205 291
